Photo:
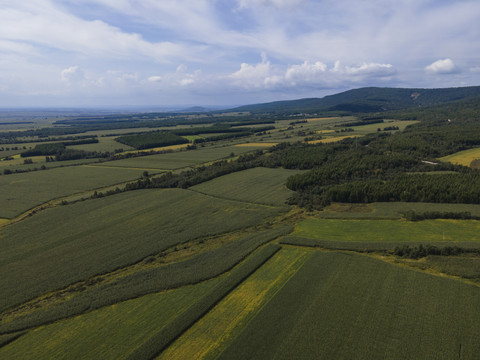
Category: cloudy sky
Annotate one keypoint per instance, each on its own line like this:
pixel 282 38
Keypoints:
pixel 226 52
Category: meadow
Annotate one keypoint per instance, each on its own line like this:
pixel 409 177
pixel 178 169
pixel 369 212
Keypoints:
pixel 122 229
pixel 380 310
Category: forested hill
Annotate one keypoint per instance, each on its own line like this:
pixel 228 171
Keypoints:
pixel 366 100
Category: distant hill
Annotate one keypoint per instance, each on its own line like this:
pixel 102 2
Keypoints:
pixel 194 109
pixel 366 100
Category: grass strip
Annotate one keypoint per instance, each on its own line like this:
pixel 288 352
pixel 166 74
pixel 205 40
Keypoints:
pixel 158 342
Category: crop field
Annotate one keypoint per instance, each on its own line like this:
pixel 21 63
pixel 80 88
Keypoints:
pixel 98 236
pixel 331 139
pixel 390 232
pixel 464 157
pixel 104 144
pixel 37 162
pixel 258 185
pixel 20 192
pixel 345 306
pixel 370 128
pixel 112 332
pixel 178 160
pixel 210 335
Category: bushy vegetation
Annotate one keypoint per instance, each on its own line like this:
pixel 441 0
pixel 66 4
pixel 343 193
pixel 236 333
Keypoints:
pixel 151 140
pixel 421 251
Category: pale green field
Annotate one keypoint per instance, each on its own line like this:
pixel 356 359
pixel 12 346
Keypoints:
pixel 389 231
pixel 258 185
pixel 112 332
pixel 20 192
pixel 463 157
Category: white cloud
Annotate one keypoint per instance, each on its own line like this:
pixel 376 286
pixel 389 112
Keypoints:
pixel 306 72
pixel 308 75
pixel 43 24
pixel 274 3
pixel 445 66
pixel 71 73
pixel 366 70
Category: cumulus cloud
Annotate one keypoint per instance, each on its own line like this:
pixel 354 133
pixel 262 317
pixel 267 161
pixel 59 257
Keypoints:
pixel 260 75
pixel 365 69
pixel 445 66
pixel 308 75
pixel 180 78
pixel 306 72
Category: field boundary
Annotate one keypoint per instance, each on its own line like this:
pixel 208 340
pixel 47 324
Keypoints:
pixel 158 342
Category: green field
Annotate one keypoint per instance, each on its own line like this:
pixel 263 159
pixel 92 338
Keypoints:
pixel 391 210
pixel 177 160
pixel 258 185
pixel 98 236
pixel 20 192
pixel 464 157
pixel 211 334
pixel 112 332
pixel 390 231
pixel 345 306
pixel 104 144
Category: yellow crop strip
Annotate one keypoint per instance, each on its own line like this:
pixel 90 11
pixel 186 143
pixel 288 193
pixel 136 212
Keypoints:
pixel 331 140
pixel 211 334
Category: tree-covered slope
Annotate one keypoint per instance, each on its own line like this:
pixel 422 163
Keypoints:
pixel 371 99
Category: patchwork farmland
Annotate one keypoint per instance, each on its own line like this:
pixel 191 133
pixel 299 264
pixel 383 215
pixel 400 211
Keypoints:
pixel 233 244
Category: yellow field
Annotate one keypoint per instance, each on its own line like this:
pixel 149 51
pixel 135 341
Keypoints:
pixel 324 131
pixel 265 144
pixel 4 222
pixel 211 334
pixel 330 140
pixel 463 157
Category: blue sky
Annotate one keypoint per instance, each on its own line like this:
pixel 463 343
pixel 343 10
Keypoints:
pixel 72 53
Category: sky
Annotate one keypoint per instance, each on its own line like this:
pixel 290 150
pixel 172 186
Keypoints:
pixel 90 53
